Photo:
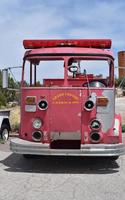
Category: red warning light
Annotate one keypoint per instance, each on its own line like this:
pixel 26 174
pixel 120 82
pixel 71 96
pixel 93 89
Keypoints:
pixel 87 43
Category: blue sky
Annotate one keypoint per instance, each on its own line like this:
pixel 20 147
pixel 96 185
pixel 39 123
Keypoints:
pixel 21 19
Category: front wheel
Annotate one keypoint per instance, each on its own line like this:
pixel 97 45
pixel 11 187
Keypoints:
pixel 114 157
pixel 111 158
pixel 4 133
pixel 28 156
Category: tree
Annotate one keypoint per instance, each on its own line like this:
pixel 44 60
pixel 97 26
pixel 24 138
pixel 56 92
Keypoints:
pixel 7 95
pixel 120 82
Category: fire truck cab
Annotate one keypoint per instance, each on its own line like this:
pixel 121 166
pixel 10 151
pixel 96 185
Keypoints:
pixel 72 114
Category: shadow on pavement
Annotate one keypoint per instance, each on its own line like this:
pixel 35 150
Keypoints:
pixel 60 164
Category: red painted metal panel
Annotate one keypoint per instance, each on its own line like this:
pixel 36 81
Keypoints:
pixel 65 113
pixel 28 117
pixel 54 52
pixel 65 110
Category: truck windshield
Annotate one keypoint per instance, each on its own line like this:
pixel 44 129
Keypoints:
pixel 35 73
pixel 53 71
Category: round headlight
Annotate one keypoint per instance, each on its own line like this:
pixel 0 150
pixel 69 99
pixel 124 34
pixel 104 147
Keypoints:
pixel 89 104
pixel 43 104
pixel 37 136
pixel 95 124
pixel 95 137
pixel 37 123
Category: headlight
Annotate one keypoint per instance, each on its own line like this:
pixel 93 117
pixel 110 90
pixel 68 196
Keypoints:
pixel 95 137
pixel 37 123
pixel 89 104
pixel 43 104
pixel 95 124
pixel 37 136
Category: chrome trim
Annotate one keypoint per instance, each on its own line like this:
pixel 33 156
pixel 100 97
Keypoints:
pixel 21 146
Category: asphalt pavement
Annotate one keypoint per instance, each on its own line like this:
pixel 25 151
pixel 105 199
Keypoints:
pixel 120 107
pixel 60 178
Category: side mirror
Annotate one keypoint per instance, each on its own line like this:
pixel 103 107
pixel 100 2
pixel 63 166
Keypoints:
pixel 5 78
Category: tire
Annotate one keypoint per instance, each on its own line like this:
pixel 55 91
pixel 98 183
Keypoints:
pixel 111 158
pixel 4 133
pixel 28 156
pixel 114 158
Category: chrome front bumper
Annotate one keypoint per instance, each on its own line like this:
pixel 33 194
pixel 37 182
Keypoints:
pixel 25 147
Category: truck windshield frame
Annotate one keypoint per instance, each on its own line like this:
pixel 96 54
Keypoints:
pixel 36 59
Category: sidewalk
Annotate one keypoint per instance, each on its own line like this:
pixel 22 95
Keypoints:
pixel 120 107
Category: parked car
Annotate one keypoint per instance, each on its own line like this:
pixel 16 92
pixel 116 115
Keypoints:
pixel 4 124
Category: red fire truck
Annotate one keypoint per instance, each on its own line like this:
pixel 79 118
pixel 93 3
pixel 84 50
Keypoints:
pixel 68 100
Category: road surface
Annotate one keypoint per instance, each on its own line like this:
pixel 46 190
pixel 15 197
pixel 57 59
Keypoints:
pixel 60 178
pixel 120 107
